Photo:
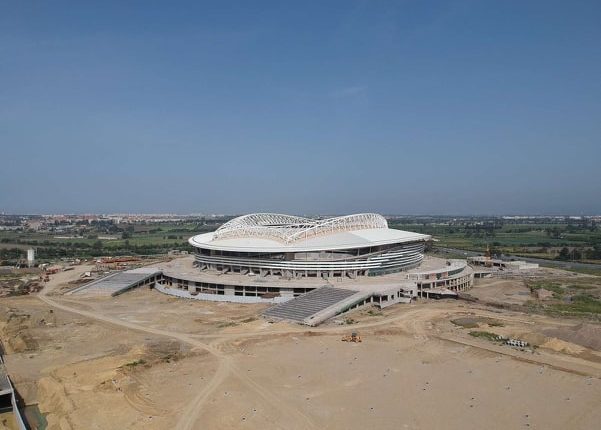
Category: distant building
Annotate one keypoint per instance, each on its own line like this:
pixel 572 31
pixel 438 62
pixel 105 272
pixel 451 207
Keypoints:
pixel 30 257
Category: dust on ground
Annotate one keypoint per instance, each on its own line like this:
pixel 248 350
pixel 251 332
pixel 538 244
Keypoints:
pixel 147 360
pixel 501 291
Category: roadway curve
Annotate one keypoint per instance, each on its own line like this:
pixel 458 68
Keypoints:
pixel 416 320
pixel 225 368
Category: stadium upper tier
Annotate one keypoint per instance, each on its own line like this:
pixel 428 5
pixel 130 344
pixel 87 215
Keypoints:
pixel 295 247
pixel 269 233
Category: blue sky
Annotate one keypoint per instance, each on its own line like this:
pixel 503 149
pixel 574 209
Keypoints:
pixel 409 107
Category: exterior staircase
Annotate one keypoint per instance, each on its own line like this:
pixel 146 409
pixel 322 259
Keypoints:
pixel 316 306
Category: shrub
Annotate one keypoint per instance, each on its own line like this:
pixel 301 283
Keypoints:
pixel 484 335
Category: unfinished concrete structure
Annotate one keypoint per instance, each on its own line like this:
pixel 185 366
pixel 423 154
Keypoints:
pixel 304 300
pixel 10 416
pixel 485 261
pixel 486 267
pixel 310 270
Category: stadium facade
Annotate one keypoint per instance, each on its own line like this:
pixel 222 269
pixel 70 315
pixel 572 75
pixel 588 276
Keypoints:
pixel 294 247
pixel 308 269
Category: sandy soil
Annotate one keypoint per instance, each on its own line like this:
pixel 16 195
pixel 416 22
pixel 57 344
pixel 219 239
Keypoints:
pixel 145 360
pixel 501 291
pixel 7 421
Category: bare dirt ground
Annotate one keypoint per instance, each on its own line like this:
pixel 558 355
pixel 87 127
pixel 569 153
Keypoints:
pixel 145 360
pixel 7 421
pixel 501 291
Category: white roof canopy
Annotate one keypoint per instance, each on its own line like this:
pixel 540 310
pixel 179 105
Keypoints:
pixel 265 232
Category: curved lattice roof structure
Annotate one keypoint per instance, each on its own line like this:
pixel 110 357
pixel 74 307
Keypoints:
pixel 288 228
pixel 267 232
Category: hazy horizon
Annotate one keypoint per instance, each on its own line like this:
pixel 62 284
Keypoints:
pixel 309 214
pixel 336 107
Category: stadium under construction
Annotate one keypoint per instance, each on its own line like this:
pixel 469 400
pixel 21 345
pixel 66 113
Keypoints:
pixel 309 269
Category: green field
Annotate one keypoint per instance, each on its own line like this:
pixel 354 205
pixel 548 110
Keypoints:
pixel 580 241
pixel 550 238
pixel 92 241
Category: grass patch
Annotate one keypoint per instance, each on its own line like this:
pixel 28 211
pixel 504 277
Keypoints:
pixel 466 322
pixel 224 324
pixel 484 335
pixel 135 363
pixel 581 303
pixel 549 286
pixel 581 287
pixel 557 290
pixel 495 323
pixel 350 321
pixel 374 313
pixel 584 271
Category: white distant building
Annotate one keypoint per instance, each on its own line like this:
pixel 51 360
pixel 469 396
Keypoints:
pixel 30 257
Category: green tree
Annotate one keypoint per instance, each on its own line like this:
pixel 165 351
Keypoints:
pixel 564 254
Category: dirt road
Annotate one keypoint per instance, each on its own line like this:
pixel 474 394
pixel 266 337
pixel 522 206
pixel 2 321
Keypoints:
pixel 416 321
pixel 190 413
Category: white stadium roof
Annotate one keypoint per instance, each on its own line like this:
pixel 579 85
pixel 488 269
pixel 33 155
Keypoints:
pixel 286 233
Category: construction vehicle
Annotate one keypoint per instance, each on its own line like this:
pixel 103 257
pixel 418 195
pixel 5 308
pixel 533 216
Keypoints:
pixel 353 337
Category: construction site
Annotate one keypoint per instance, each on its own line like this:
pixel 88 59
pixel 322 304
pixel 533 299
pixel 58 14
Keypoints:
pixel 339 215
pixel 115 352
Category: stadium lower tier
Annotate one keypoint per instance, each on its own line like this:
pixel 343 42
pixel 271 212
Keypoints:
pixel 437 279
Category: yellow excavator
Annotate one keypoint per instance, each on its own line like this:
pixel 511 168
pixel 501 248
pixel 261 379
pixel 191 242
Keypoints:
pixel 353 337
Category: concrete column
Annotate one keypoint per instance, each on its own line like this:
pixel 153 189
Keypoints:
pixel 284 292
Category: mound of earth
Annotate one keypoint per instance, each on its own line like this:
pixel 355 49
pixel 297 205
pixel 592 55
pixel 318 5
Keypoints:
pixel 585 334
pixel 562 346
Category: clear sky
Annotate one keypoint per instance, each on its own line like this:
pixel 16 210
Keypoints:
pixel 409 107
